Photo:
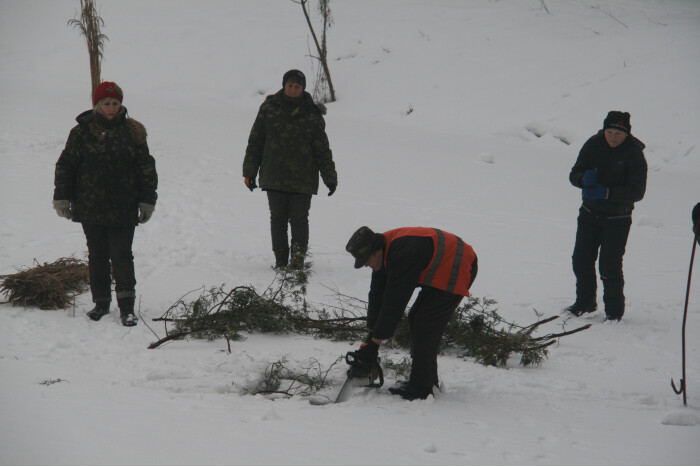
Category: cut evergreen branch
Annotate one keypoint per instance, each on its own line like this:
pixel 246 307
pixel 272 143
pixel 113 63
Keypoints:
pixel 476 330
pixel 89 24
pixel 50 286
pixel 281 308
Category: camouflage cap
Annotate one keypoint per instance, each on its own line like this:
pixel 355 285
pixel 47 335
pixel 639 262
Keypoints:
pixel 362 244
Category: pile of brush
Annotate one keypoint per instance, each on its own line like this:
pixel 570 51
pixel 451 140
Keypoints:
pixel 49 286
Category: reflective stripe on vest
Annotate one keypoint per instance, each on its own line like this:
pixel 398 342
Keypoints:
pixel 450 267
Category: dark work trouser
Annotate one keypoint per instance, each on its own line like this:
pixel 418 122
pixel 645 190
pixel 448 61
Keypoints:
pixel 427 320
pixel 113 244
pixel 289 209
pixel 607 236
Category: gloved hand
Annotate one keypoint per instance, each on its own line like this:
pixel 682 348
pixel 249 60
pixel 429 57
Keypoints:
pixel 331 189
pixel 145 212
pixel 598 191
pixel 696 220
pixel 368 353
pixel 250 183
pixel 590 178
pixel 62 207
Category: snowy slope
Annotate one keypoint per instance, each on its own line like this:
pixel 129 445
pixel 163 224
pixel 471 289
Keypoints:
pixel 503 94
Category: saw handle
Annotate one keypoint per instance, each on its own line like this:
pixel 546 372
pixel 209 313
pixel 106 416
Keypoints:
pixel 371 371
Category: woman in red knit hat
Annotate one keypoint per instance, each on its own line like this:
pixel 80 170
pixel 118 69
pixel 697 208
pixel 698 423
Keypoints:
pixel 106 179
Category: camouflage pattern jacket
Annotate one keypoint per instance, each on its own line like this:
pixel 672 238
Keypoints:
pixel 106 170
pixel 288 146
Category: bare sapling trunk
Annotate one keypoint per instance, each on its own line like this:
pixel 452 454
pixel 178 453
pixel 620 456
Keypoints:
pixel 325 75
pixel 89 26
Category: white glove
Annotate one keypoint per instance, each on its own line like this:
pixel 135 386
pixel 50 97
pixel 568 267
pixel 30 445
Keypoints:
pixel 62 207
pixel 145 212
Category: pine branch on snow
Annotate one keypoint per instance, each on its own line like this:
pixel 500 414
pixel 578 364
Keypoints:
pixel 476 330
pixel 281 308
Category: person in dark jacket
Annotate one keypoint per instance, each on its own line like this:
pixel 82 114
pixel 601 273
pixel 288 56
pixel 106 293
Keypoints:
pixel 611 172
pixel 106 179
pixel 287 148
pixel 696 221
pixel 438 262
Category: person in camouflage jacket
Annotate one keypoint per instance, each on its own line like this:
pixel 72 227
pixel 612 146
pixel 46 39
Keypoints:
pixel 106 180
pixel 287 149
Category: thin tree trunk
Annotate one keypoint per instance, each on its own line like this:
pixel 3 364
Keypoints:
pixel 321 52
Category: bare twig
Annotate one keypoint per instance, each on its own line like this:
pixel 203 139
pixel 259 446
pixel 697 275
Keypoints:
pixel 597 7
pixel 321 47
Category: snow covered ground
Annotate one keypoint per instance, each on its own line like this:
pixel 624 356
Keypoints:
pixel 503 94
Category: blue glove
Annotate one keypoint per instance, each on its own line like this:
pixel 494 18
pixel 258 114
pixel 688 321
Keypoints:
pixel 590 178
pixel 596 192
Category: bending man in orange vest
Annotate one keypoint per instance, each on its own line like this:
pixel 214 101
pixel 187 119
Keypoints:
pixel 401 260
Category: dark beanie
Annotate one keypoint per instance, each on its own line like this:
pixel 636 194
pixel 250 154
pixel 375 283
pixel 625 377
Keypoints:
pixel 296 76
pixel 618 121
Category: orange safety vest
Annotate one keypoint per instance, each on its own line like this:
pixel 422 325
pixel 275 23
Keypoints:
pixel 450 268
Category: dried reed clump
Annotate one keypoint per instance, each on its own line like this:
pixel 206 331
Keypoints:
pixel 49 286
pixel 90 24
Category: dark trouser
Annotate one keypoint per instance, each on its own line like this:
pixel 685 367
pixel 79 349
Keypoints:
pixel 609 235
pixel 105 244
pixel 293 209
pixel 427 321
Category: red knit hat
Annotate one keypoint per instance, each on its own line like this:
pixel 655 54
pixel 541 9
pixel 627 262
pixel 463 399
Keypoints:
pixel 107 89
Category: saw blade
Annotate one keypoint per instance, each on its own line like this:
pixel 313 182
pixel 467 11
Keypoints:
pixel 346 390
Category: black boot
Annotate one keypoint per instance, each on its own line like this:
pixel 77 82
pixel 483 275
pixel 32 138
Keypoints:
pixel 126 310
pixel 281 258
pixel 298 257
pixel 411 392
pixel 580 307
pixel 101 309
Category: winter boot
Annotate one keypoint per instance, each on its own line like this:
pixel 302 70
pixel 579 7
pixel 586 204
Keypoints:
pixel 403 385
pixel 411 392
pixel 614 310
pixel 614 315
pixel 298 257
pixel 580 308
pixel 281 258
pixel 101 309
pixel 126 310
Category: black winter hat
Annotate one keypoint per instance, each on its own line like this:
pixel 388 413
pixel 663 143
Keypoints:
pixel 618 121
pixel 295 75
